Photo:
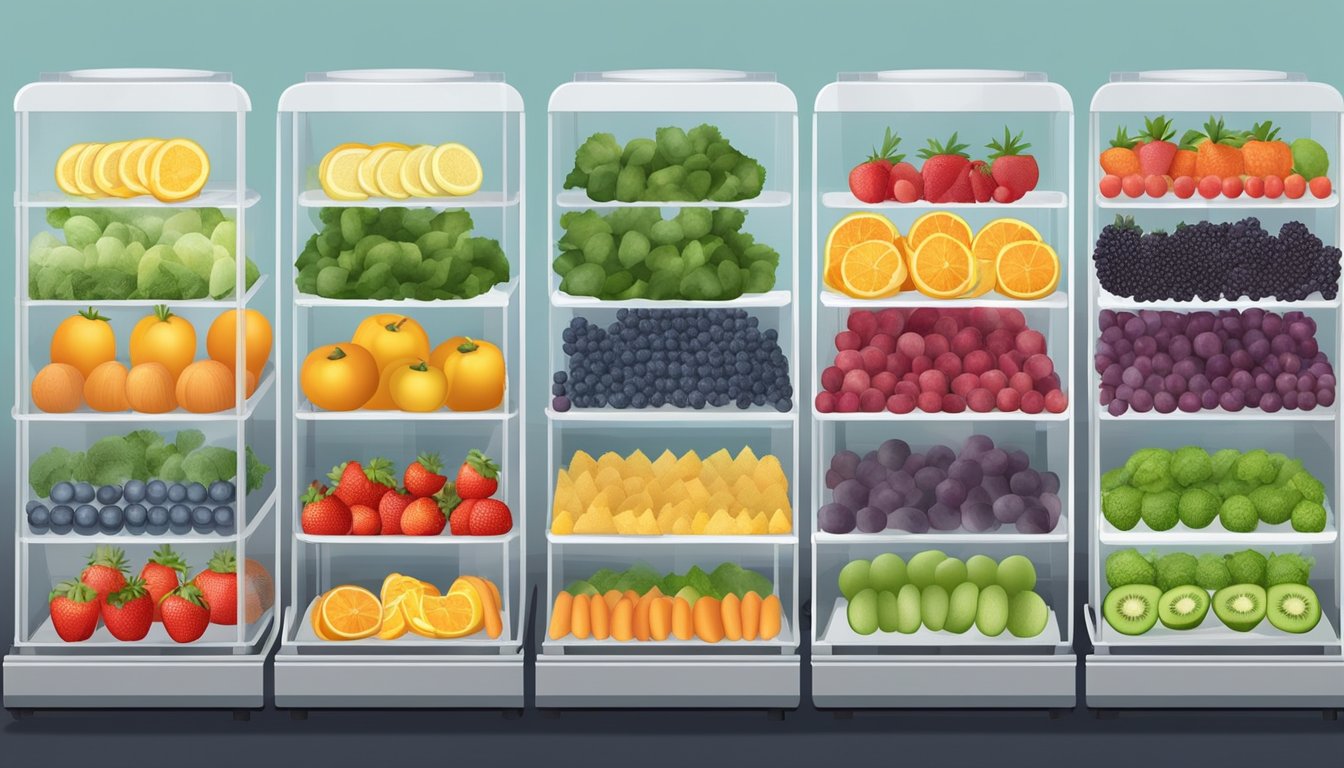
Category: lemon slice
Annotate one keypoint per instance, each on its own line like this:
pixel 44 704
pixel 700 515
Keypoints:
pixel 178 171
pixel 84 170
pixel 410 171
pixel 367 173
pixel 426 171
pixel 322 166
pixel 388 174
pixel 455 169
pixel 128 164
pixel 106 177
pixel 65 169
pixel 341 180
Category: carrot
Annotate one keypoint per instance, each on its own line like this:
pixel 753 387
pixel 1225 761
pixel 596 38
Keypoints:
pixel 751 616
pixel 660 618
pixel 561 615
pixel 681 619
pixel 612 597
pixel 631 595
pixel 622 620
pixel 601 619
pixel 581 620
pixel 642 610
pixel 731 609
pixel 1183 164
pixel 708 617
pixel 771 616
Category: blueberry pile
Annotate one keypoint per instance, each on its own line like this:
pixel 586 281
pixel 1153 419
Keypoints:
pixel 138 507
pixel 686 358
pixel 1212 261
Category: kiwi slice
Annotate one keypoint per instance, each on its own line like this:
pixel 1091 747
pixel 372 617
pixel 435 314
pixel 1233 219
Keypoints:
pixel 907 610
pixel 1131 609
pixel 933 607
pixel 1240 606
pixel 961 607
pixel 991 612
pixel 1183 607
pixel 1293 608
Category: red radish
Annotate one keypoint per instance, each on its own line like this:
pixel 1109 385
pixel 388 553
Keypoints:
pixel 1295 186
pixel 1132 185
pixel 1255 186
pixel 1110 185
pixel 1273 187
pixel 1210 187
pixel 1232 187
pixel 1157 150
pixel 1155 185
pixel 982 183
pixel 1011 168
pixel 944 168
pixel 1320 187
pixel 905 191
pixel 870 181
pixel 902 171
pixel 1184 187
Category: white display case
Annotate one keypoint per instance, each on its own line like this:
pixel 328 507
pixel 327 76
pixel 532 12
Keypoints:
pixel 412 107
pixel 759 117
pixel 1212 665
pixel 926 668
pixel 224 667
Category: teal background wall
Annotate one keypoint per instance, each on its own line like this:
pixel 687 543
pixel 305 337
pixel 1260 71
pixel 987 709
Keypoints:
pixel 269 44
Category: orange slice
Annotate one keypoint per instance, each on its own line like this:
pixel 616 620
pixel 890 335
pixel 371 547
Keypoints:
pixel 993 236
pixel 410 171
pixel 66 170
pixel 142 163
pixel 317 618
pixel 490 606
pixel 84 170
pixel 128 165
pixel 872 269
pixel 106 175
pixel 848 232
pixel 341 180
pixel 351 613
pixel 1027 270
pixel 455 169
pixel 986 277
pixel 388 174
pixel 938 222
pixel 178 170
pixel 456 614
pixel 943 267
pixel 394 621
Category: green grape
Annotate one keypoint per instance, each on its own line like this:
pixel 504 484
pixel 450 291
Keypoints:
pixel 152 226
pixel 196 251
pixel 210 219
pixel 566 261
pixel 617 282
pixel 81 232
pixel 666 232
pixel 226 236
pixel 671 176
pixel 673 144
pixel 183 222
pixel 695 223
pixel 584 280
pixel 223 276
pixel 693 255
pixel 331 282
pixel 701 284
pixel 406 262
pixel 118 231
pixel 600 149
pixel 730 280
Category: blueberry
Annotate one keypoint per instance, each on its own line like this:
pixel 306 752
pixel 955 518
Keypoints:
pixel 110 519
pixel 202 518
pixel 108 494
pixel 157 516
pixel 38 517
pixel 179 515
pixel 62 493
pixel 221 491
pixel 62 517
pixel 223 519
pixel 136 516
pixel 196 493
pixel 177 492
pixel 561 404
pixel 156 491
pixel 86 518
pixel 34 504
pixel 83 493
pixel 134 491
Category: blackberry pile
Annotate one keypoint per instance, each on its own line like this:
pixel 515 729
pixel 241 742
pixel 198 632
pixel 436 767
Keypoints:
pixel 1211 261
pixel 686 358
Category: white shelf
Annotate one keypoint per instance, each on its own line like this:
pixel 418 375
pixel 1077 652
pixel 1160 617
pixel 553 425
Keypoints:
pixel 1005 535
pixel 216 636
pixel 176 304
pixel 745 301
pixel 316 198
pixel 308 412
pixel 1220 415
pixel 1264 535
pixel 497 297
pixel 304 636
pixel 725 416
pixel 1108 300
pixel 672 540
pixel 966 415
pixel 442 540
pixel 211 197
pixel 1213 633
pixel 84 415
pixel 783 640
pixel 838 632
pixel 1202 206
pixel 578 198
pixel 911 299
pixel 1035 199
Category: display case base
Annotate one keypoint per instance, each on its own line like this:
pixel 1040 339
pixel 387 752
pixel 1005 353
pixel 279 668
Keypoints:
pixel 944 681
pixel 1213 681
pixel 668 682
pixel 485 681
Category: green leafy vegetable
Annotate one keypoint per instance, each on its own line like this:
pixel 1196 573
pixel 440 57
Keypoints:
pixel 674 166
pixel 143 455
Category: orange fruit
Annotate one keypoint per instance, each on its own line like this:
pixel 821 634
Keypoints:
pixel 178 170
pixel 849 232
pixel 106 175
pixel 317 618
pixel 351 613
pixel 128 166
pixel 84 170
pixel 996 234
pixel 142 163
pixel 943 267
pixel 394 621
pixel 872 269
pixel 1027 270
pixel 490 605
pixel 986 278
pixel 935 223
pixel 66 171
pixel 456 614
pixel 455 169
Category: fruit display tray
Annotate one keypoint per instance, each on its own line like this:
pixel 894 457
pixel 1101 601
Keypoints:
pixel 1213 633
pixel 1005 535
pixel 1214 535
pixel 302 636
pixel 912 299
pixel 784 640
pixel 1216 204
pixel 1108 300
pixel 216 636
pixel 212 196
pixel 1037 198
pixel 838 633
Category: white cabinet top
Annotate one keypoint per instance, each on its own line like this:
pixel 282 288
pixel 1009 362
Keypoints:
pixel 133 90
pixel 944 90
pixel 1212 90
pixel 673 90
pixel 402 90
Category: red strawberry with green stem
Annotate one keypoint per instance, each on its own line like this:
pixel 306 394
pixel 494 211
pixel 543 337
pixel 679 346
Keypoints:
pixel 490 517
pixel 186 613
pixel 390 508
pixel 944 172
pixel 364 521
pixel 1015 172
pixel 219 583
pixel 459 520
pixel 982 183
pixel 162 574
pixel 106 571
pixel 870 180
pixel 1157 151
pixel 324 513
pixel 362 484
pixel 74 608
pixel 422 476
pixel 129 612
pixel 427 516
pixel 478 477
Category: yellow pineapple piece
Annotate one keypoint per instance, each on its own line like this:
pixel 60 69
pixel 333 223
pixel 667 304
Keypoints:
pixel 696 492
pixel 714 482
pixel 743 523
pixel 775 497
pixel 563 524
pixel 769 472
pixel 721 524
pixel 647 525
pixel 610 459
pixel 675 492
pixel 610 497
pixel 699 522
pixel 688 466
pixel 667 517
pixel 746 492
pixel 780 522
pixel 633 485
pixel 625 522
pixel 595 522
pixel 567 498
pixel 638 465
pixel 720 460
pixel 609 476
pixel 638 502
pixel 760 525
pixel 745 462
pixel 563 479
pixel 721 500
pixel 682 527
pixel 586 489
pixel 580 463
pixel 665 464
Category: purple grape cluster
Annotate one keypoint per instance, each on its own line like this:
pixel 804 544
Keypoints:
pixel 1232 359
pixel 978 489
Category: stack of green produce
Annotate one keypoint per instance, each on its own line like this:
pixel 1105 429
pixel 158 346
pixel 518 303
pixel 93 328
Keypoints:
pixel 677 166
pixel 634 253
pixel 1174 589
pixel 391 254
pixel 113 254
pixel 692 585
pixel 143 455
pixel 1242 490
pixel 943 593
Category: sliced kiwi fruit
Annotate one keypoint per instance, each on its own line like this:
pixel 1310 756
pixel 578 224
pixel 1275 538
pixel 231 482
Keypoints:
pixel 933 607
pixel 991 611
pixel 1183 607
pixel 907 610
pixel 1027 614
pixel 1293 608
pixel 1131 609
pixel 1241 606
pixel 961 607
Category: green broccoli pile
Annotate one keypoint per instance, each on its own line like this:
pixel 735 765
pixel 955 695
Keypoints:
pixel 676 166
pixel 1208 571
pixel 1162 488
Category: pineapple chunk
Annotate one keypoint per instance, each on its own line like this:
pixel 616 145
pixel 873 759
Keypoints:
pixel 665 464
pixel 682 527
pixel 625 523
pixel 610 459
pixel 721 524
pixel 646 525
pixel 638 465
pixel 699 522
pixel 759 524
pixel 768 473
pixel 563 524
pixel 688 466
pixel 595 522
pixel 586 489
pixel 609 476
pixel 746 461
pixel 743 523
pixel 780 522
pixel 581 463
pixel 696 492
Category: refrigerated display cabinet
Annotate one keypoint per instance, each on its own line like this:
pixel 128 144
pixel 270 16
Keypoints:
pixel 859 666
pixel 1212 665
pixel 127 241
pixel 672 125
pixel 405 109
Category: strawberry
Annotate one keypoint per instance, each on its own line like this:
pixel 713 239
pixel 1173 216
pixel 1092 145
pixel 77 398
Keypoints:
pixel 365 521
pixel 490 517
pixel 1011 168
pixel 324 513
pixel 129 612
pixel 1158 151
pixel 982 183
pixel 944 168
pixel 1217 150
pixel 186 613
pixel 459 521
pixel 219 583
pixel 428 516
pixel 870 180
pixel 422 476
pixel 478 478
pixel 106 571
pixel 356 484
pixel 74 608
pixel 905 172
pixel 162 574
pixel 390 509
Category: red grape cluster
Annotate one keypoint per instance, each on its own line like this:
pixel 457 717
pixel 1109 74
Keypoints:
pixel 940 361
pixel 1233 359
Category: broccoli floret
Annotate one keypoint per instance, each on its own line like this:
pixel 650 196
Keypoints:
pixel 1230 486
pixel 1175 570
pixel 1223 461
pixel 1274 503
pixel 1247 567
pixel 1153 475
pixel 1159 510
pixel 1310 488
pixel 1238 515
pixel 1122 507
pixel 1254 467
pixel 1288 470
pixel 1114 479
pixel 1212 573
pixel 1197 508
pixel 1190 465
pixel 1129 567
pixel 1289 568
pixel 1138 457
pixel 1308 517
